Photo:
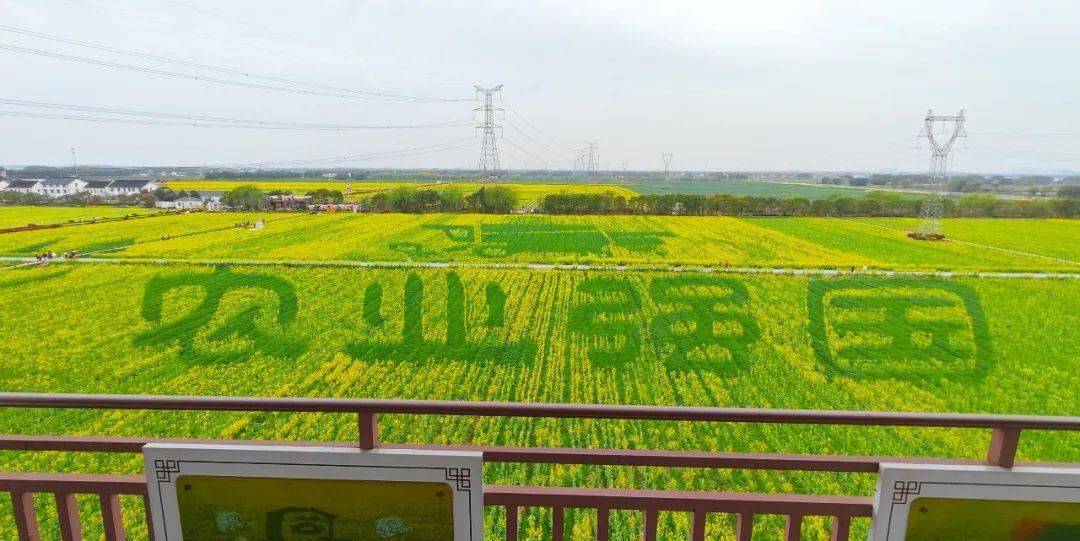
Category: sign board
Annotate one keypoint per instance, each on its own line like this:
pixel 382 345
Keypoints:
pixel 274 493
pixel 921 502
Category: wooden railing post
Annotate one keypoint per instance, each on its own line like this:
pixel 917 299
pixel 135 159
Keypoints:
pixel 794 528
pixel 67 508
pixel 149 524
pixel 603 524
pixel 744 529
pixel 112 518
pixel 697 528
pixel 368 423
pixel 649 529
pixel 558 524
pixel 26 523
pixel 1003 443
pixel 511 523
pixel 841 529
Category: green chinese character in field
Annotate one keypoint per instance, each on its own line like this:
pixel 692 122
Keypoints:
pixel 244 323
pixel 607 320
pixel 457 346
pixel 702 323
pixel 922 330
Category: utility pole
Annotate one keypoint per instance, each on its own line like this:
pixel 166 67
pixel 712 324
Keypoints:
pixel 942 132
pixel 74 163
pixel 592 160
pixel 489 151
pixel 667 156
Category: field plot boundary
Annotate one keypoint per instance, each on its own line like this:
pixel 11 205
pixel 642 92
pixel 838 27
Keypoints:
pixel 707 269
pixel 977 244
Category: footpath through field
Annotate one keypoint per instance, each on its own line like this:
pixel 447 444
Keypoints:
pixel 779 271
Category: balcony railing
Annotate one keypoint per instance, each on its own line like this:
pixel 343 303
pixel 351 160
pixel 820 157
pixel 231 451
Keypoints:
pixel 1005 429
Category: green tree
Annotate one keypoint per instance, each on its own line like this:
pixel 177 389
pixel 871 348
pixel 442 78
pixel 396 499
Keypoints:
pixel 245 197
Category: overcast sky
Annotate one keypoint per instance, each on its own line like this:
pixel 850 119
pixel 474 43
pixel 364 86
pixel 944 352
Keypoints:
pixel 766 85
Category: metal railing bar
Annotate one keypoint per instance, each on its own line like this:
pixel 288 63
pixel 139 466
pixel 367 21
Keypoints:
pixel 73 483
pixel 534 455
pixel 674 500
pixel 512 409
pixel 516 496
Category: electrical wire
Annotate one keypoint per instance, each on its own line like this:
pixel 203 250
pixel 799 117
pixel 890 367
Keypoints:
pixel 187 76
pixel 511 143
pixel 533 126
pixel 201 121
pixel 231 71
pixel 197 124
pixel 540 144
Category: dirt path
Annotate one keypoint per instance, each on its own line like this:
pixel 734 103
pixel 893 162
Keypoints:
pixel 778 271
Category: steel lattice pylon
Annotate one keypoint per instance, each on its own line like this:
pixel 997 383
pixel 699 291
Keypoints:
pixel 667 156
pixel 489 150
pixel 941 141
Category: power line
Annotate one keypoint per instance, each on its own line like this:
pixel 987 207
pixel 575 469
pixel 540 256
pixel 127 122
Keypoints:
pixel 511 143
pixel 248 24
pixel 192 124
pixel 540 144
pixel 183 28
pixel 327 88
pixel 531 125
pixel 188 76
pixel 200 121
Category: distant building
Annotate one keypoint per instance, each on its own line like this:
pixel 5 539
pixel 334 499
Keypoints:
pixel 183 203
pixel 3 174
pixel 3 184
pixel 99 188
pixel 23 186
pixel 60 186
pixel 132 186
pixel 286 202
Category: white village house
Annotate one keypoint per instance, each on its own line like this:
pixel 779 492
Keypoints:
pixel 132 186
pixel 99 188
pixel 183 203
pixel 23 186
pixel 60 186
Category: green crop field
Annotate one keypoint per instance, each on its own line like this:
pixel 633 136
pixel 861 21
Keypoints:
pixel 758 188
pixel 978 244
pixel 527 192
pixel 480 332
pixel 19 216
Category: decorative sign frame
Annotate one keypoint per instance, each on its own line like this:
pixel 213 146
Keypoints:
pixel 320 471
pixel 909 493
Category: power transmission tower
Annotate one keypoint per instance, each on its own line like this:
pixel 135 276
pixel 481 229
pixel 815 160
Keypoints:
pixel 667 156
pixel 942 132
pixel 489 151
pixel 592 160
pixel 74 163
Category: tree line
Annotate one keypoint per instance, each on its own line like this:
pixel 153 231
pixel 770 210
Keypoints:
pixel 874 203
